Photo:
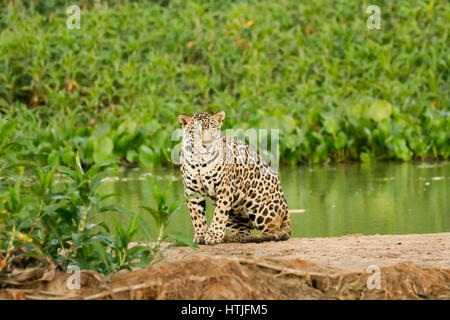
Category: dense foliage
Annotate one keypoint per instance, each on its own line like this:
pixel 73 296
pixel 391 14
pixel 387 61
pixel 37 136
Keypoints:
pixel 336 90
pixel 46 213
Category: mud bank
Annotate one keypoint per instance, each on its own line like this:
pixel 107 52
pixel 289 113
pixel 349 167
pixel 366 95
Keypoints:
pixel 411 267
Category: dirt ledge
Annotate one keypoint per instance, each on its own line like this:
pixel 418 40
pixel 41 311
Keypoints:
pixel 411 267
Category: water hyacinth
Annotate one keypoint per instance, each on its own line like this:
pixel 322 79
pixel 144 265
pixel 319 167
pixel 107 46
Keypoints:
pixel 335 89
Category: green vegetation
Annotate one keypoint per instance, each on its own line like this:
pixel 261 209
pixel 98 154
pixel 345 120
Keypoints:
pixel 45 212
pixel 337 91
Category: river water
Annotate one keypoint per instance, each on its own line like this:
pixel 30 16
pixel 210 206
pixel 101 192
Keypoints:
pixel 377 198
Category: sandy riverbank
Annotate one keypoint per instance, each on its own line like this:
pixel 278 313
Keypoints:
pixel 353 252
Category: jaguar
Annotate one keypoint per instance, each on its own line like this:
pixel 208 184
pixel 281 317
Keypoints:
pixel 246 193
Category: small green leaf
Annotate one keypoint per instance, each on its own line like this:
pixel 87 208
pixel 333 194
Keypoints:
pixel 181 240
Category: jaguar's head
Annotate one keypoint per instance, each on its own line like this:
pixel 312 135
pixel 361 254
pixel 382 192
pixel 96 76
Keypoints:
pixel 201 132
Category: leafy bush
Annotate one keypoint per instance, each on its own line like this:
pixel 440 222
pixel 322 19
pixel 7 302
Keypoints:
pixel 45 212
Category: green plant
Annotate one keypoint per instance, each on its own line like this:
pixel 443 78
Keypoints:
pixel 45 213
pixel 163 212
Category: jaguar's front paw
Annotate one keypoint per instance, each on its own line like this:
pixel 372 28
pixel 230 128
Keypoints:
pixel 199 239
pixel 213 238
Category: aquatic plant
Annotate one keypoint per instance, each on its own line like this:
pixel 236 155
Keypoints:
pixel 336 90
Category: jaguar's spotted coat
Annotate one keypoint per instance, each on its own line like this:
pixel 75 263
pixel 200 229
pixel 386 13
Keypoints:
pixel 245 191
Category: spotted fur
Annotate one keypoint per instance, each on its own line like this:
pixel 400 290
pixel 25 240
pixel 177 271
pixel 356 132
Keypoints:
pixel 245 191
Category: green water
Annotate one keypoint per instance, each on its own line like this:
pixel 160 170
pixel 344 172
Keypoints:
pixel 383 198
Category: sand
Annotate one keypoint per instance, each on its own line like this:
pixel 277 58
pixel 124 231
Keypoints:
pixel 353 252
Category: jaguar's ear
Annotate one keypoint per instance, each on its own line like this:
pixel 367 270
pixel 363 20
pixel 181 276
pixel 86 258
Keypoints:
pixel 219 116
pixel 184 119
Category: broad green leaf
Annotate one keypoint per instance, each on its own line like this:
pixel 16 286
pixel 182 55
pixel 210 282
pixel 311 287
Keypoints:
pixel 356 111
pixel 330 125
pixel 379 110
pixel 103 149
pixel 401 149
pixel 128 126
